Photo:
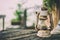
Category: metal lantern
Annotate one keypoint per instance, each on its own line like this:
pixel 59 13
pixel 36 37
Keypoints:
pixel 43 29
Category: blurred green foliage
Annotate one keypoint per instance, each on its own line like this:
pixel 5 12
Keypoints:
pixel 49 3
pixel 14 20
pixel 17 13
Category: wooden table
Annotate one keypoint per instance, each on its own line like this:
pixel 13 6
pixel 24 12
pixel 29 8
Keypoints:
pixel 3 17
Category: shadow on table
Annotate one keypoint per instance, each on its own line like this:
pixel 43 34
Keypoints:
pixel 53 37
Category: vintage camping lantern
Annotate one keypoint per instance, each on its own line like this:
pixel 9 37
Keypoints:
pixel 43 24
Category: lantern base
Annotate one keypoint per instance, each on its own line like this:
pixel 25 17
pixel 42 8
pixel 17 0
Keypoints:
pixel 43 33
